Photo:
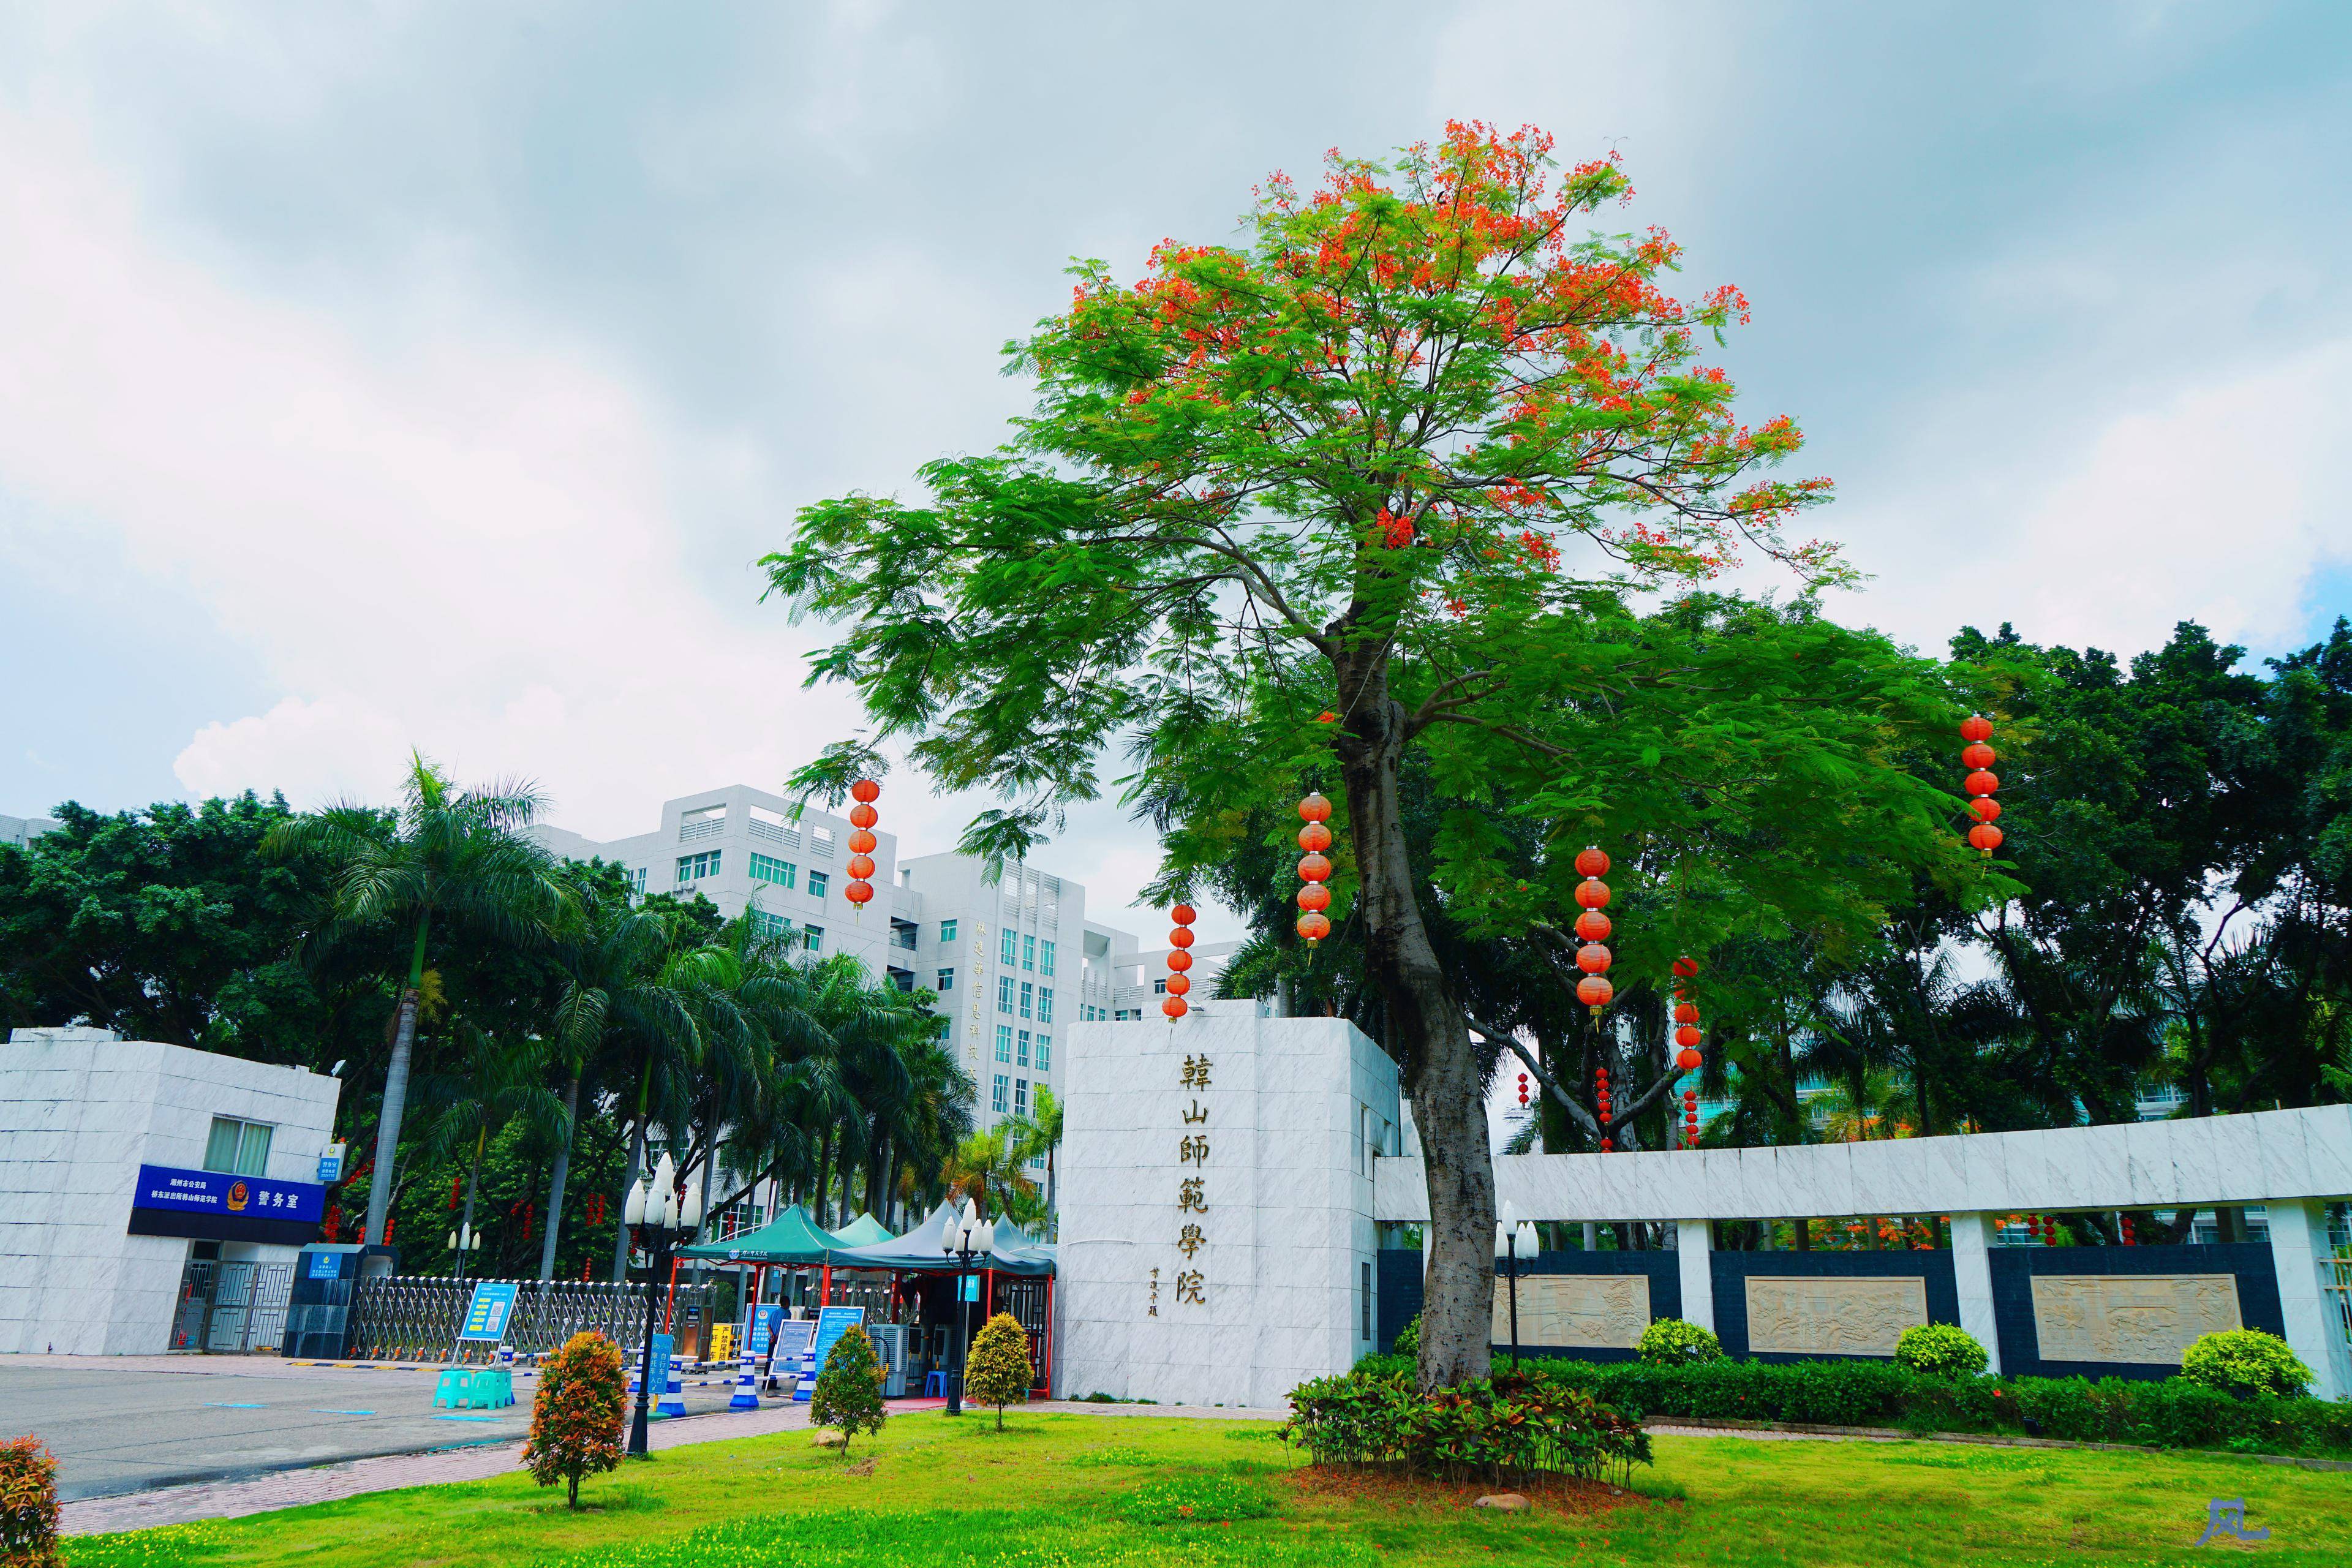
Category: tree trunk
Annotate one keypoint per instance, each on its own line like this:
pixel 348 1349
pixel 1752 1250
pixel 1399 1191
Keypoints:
pixel 555 1180
pixel 395 1094
pixel 824 1177
pixel 1425 1031
pixel 473 1185
pixel 620 1214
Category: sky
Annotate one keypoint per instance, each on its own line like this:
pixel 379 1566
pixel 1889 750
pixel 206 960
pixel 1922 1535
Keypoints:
pixel 387 376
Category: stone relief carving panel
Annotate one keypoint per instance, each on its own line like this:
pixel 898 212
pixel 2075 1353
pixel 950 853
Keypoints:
pixel 2149 1318
pixel 1576 1311
pixel 1831 1317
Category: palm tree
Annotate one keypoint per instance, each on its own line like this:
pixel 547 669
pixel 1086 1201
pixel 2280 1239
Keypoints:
pixel 448 857
pixel 1038 1134
pixel 611 999
pixel 495 1083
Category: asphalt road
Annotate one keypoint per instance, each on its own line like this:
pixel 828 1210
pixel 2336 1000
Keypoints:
pixel 123 1425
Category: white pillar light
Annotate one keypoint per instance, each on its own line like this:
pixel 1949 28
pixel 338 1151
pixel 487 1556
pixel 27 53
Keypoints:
pixel 632 1213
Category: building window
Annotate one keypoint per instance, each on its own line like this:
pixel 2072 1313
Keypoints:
pixel 769 925
pixel 1020 1096
pixel 1028 999
pixel 1160 986
pixel 818 881
pixel 1008 948
pixel 694 868
pixel 1029 954
pixel 996 1098
pixel 1365 1292
pixel 1044 1003
pixel 1045 1055
pixel 1021 1050
pixel 1004 1042
pixel 768 868
pixel 637 880
pixel 812 938
pixel 947 931
pixel 239 1148
pixel 1004 992
pixel 947 981
pixel 1045 958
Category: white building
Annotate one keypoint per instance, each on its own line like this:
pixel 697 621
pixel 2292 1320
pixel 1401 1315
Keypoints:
pixel 135 1177
pixel 1013 961
pixel 23 830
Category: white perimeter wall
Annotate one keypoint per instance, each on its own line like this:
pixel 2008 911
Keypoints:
pixel 79 1113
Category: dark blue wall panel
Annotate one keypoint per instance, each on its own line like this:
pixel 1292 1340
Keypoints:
pixel 2013 1268
pixel 1733 1269
pixel 1399 1278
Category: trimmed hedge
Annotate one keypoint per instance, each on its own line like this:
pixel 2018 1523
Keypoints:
pixel 2171 1413
pixel 1517 1430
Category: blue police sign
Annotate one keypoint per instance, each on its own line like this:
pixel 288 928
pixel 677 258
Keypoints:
pixel 487 1315
pixel 221 1205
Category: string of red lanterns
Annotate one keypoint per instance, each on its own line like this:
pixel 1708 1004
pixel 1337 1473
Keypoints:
pixel 1523 1091
pixel 1600 1103
pixel 862 843
pixel 1686 1041
pixel 1314 868
pixel 1593 896
pixel 1979 758
pixel 1179 960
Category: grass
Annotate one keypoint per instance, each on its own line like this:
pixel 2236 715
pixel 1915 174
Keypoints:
pixel 1087 1489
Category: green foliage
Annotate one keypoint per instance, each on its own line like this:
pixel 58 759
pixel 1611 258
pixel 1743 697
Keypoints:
pixel 997 1371
pixel 1407 1338
pixel 28 1505
pixel 1671 1341
pixel 2245 1361
pixel 1515 1428
pixel 848 1393
pixel 1196 1500
pixel 1941 1350
pixel 577 1414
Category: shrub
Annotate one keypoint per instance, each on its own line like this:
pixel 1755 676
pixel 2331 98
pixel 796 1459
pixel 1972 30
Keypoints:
pixel 998 1371
pixel 28 1505
pixel 1671 1341
pixel 1941 1350
pixel 575 1420
pixel 1517 1427
pixel 1408 1340
pixel 1195 1499
pixel 2245 1361
pixel 848 1393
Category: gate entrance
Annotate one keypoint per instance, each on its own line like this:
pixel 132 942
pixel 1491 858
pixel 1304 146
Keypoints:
pixel 232 1307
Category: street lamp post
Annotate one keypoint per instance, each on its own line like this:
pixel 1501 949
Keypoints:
pixel 1511 1235
pixel 967 1237
pixel 661 1225
pixel 463 1240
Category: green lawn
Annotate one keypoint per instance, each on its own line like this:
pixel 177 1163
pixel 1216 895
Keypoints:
pixel 1084 1490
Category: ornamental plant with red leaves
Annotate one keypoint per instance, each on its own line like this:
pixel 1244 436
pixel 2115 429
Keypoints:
pixel 28 1505
pixel 1401 458
pixel 575 1421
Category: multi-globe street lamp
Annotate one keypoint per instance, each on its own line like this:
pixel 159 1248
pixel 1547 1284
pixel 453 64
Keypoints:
pixel 967 1237
pixel 1510 1235
pixel 463 1240
pixel 662 1224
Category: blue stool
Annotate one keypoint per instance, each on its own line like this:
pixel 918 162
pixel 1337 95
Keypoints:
pixel 935 1385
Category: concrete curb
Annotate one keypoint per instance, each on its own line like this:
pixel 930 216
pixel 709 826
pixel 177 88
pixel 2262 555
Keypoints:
pixel 1700 1426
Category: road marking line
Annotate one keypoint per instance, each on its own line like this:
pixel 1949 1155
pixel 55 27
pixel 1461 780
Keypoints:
pixel 231 1404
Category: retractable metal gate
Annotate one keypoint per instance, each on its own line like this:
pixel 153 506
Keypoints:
pixel 232 1307
pixel 405 1316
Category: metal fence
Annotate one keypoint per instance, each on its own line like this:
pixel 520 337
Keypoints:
pixel 403 1316
pixel 2335 1285
pixel 231 1308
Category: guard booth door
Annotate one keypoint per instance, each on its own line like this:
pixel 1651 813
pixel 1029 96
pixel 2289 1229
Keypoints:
pixel 230 1307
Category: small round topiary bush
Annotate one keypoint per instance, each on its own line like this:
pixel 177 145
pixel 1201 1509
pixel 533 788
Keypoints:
pixel 1671 1341
pixel 2245 1361
pixel 1408 1340
pixel 577 1416
pixel 28 1505
pixel 1941 1350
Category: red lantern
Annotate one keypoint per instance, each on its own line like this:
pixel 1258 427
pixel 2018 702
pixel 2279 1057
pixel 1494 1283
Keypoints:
pixel 1592 894
pixel 861 867
pixel 1314 896
pixel 1687 1036
pixel 866 790
pixel 1685 1012
pixel 864 815
pixel 1174 1007
pixel 859 893
pixel 1594 991
pixel 1183 914
pixel 1973 729
pixel 1981 783
pixel 862 842
pixel 1314 926
pixel 1987 808
pixel 1592 926
pixel 1686 967
pixel 1591 862
pixel 1314 837
pixel 1313 869
pixel 1985 837
pixel 1687 1059
pixel 1592 958
pixel 1179 960
pixel 1315 808
pixel 1608 1145
pixel 1180 937
pixel 1978 756
pixel 1523 1089
pixel 1178 984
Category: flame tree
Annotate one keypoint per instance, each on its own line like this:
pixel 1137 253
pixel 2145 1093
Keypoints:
pixel 1398 459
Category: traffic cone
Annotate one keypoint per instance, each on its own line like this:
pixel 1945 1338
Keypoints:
pixel 672 1399
pixel 747 1391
